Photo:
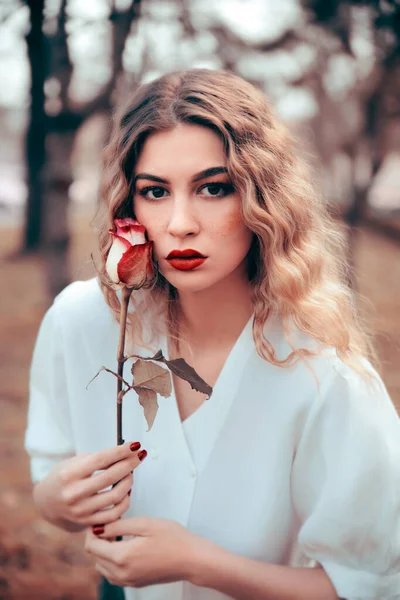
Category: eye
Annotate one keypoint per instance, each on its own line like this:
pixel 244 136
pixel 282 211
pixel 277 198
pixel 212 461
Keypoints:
pixel 153 192
pixel 217 189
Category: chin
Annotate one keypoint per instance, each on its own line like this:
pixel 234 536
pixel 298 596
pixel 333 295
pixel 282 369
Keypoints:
pixel 189 281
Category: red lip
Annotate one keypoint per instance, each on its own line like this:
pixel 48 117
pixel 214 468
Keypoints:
pixel 188 253
pixel 186 264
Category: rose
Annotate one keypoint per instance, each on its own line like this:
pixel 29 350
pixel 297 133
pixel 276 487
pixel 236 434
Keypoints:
pixel 129 262
pixel 129 267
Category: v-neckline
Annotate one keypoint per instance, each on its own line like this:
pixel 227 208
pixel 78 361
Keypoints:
pixel 225 366
pixel 208 419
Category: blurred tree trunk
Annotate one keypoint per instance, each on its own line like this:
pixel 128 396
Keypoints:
pixel 378 97
pixel 382 108
pixel 56 182
pixel 51 134
pixel 58 175
pixel 36 133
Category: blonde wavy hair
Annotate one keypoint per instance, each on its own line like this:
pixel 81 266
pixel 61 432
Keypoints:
pixel 296 265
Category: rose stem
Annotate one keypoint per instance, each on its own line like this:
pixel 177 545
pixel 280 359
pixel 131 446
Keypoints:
pixel 126 294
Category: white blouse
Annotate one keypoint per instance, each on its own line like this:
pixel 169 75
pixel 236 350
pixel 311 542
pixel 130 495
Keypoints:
pixel 273 467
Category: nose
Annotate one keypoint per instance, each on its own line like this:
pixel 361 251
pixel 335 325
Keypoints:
pixel 183 221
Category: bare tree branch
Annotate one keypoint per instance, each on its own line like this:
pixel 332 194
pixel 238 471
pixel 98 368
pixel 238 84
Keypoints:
pixel 227 37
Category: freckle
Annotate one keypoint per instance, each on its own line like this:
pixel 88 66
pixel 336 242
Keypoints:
pixel 230 224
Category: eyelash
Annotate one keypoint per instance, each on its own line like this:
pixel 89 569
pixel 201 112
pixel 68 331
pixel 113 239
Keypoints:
pixel 227 188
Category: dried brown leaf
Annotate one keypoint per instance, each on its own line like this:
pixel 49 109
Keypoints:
pixel 181 368
pixel 151 376
pixel 148 399
pixel 112 373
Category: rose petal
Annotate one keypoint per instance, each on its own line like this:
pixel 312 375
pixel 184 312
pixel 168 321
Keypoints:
pixel 131 230
pixel 121 238
pixel 117 250
pixel 125 222
pixel 135 266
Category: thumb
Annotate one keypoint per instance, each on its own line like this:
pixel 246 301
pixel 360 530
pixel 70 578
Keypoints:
pixel 139 526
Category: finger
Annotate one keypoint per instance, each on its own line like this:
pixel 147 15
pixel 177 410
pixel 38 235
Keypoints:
pixel 108 515
pixel 110 558
pixel 110 477
pixel 107 573
pixel 107 550
pixel 103 568
pixel 102 500
pixel 100 549
pixel 88 487
pixel 99 460
pixel 138 526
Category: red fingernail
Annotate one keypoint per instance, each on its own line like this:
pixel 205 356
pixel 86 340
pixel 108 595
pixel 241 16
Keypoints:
pixel 130 492
pixel 134 446
pixel 98 529
pixel 142 454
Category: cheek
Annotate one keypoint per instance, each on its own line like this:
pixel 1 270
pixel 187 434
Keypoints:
pixel 233 231
pixel 233 225
pixel 139 211
pixel 152 221
pixel 145 215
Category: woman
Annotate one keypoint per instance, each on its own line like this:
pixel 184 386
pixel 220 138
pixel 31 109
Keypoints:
pixel 294 460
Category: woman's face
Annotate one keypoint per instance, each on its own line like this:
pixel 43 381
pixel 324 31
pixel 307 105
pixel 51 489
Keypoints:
pixel 184 199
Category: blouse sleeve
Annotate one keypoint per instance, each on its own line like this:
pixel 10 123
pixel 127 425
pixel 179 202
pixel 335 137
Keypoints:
pixel 48 437
pixel 346 486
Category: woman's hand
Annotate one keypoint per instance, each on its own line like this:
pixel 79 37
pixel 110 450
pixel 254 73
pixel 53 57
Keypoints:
pixel 161 551
pixel 72 494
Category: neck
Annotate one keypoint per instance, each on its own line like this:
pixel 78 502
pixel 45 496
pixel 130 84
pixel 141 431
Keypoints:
pixel 215 317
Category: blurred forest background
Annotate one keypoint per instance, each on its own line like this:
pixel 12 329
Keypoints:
pixel 331 69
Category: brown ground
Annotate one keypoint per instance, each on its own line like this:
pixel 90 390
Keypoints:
pixel 36 560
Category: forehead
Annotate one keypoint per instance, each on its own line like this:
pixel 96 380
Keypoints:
pixel 185 149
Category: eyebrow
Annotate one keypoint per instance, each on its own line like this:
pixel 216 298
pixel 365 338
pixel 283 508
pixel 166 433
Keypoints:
pixel 202 175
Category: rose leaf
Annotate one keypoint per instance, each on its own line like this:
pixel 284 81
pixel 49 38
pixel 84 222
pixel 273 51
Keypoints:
pixel 148 399
pixel 151 376
pixel 181 369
